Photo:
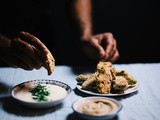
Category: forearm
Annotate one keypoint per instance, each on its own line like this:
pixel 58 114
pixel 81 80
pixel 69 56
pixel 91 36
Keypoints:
pixel 81 17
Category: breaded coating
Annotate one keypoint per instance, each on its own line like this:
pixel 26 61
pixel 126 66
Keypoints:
pixel 103 83
pixel 82 77
pixel 120 84
pixel 90 81
pixel 131 80
pixel 103 87
pixel 49 63
pixel 106 68
pixel 106 79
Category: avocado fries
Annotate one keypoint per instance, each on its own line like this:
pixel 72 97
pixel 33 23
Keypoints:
pixel 106 79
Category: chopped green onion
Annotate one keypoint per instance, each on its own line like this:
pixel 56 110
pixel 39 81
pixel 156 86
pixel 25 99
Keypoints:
pixel 39 93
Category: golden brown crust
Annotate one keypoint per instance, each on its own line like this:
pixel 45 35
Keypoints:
pixel 106 79
pixel 49 63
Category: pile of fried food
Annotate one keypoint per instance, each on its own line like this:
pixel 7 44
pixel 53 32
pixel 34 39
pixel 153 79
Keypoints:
pixel 106 79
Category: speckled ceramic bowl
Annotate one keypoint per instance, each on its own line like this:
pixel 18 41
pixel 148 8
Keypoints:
pixel 44 104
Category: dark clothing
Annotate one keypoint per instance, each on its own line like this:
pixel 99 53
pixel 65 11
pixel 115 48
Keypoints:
pixel 27 15
pixel 45 20
pixel 135 24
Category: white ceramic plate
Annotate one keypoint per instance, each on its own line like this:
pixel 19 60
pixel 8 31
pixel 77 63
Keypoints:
pixel 41 105
pixel 128 91
pixel 78 103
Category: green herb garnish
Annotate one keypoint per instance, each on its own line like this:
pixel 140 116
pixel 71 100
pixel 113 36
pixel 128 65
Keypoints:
pixel 39 93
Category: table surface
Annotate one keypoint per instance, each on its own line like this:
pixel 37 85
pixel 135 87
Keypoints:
pixel 143 104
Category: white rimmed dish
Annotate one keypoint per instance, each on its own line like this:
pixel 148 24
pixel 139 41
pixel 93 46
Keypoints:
pixel 128 91
pixel 80 102
pixel 42 104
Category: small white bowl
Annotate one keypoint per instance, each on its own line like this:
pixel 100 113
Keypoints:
pixel 79 103
pixel 43 104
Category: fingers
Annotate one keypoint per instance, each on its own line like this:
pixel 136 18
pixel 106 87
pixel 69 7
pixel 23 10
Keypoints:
pixel 34 41
pixel 16 62
pixel 27 60
pixel 99 48
pixel 102 47
pixel 28 50
pixel 111 52
pixel 8 56
pixel 109 44
pixel 114 57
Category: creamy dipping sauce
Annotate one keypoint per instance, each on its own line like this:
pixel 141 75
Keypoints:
pixel 97 107
pixel 55 92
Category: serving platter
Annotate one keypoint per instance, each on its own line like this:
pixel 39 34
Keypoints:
pixel 128 91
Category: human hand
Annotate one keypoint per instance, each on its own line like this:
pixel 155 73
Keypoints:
pixel 101 47
pixel 25 51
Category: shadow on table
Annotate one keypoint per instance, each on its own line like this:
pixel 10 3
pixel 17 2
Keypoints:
pixel 74 116
pixel 3 88
pixel 79 93
pixel 12 106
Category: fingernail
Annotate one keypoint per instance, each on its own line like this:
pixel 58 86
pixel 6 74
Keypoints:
pixel 102 54
pixel 45 50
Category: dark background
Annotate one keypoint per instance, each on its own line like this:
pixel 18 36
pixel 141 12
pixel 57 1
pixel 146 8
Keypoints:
pixel 134 23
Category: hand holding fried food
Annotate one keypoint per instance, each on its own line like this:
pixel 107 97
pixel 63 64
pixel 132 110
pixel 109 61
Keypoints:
pixel 42 51
pixel 106 79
